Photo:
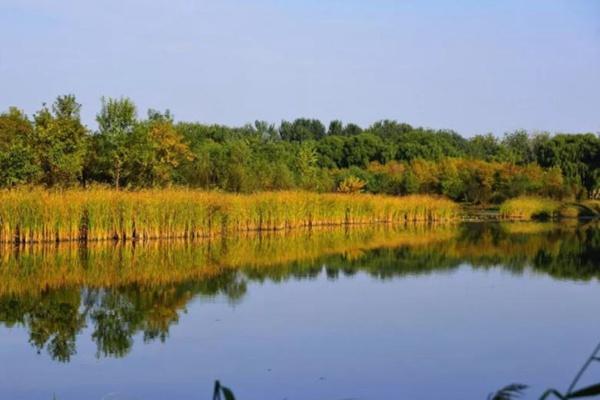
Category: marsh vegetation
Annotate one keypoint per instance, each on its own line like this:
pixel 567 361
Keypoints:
pixel 28 216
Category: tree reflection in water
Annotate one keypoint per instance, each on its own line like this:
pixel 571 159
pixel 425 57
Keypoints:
pixel 124 290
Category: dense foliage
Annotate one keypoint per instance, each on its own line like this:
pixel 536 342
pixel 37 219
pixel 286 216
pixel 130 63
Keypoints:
pixel 54 148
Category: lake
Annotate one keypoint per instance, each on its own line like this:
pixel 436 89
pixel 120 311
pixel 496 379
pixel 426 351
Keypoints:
pixel 368 312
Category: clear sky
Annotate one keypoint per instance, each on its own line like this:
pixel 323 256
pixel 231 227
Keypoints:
pixel 473 66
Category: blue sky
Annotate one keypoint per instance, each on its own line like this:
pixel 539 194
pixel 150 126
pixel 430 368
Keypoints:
pixel 471 66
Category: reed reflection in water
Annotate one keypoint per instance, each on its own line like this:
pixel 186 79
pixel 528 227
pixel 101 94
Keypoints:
pixel 127 289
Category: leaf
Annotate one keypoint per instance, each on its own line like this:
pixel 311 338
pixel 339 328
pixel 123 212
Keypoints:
pixel 554 392
pixel 217 391
pixel 589 391
pixel 228 394
pixel 508 392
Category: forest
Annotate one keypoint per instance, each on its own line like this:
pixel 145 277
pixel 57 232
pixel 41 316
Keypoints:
pixel 53 148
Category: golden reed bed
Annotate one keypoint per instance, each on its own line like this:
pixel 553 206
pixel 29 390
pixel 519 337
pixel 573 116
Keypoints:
pixel 37 215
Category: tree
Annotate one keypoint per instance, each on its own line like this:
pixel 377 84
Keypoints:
pixel 336 127
pixel 351 130
pixel 361 149
pixel 518 147
pixel 578 157
pixel 410 183
pixel 116 122
pixel 265 130
pixel 59 141
pixel 167 149
pixel 301 130
pixel 487 148
pixel 307 165
pixel 450 182
pixel 330 151
pixel 18 163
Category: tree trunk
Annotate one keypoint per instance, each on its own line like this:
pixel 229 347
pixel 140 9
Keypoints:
pixel 117 175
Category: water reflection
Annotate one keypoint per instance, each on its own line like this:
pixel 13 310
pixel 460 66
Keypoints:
pixel 124 290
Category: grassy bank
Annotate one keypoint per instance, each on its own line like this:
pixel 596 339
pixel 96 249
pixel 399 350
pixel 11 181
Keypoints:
pixel 540 208
pixel 37 215
pixel 529 208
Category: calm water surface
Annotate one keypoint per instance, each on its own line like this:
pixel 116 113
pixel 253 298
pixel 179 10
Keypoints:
pixel 451 312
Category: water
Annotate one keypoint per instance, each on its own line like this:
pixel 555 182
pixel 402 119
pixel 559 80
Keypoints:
pixel 450 312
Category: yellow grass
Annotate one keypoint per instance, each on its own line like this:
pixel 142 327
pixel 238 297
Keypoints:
pixel 37 215
pixel 529 207
pixel 593 206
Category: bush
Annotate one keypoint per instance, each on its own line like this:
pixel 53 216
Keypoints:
pixel 529 208
pixel 569 211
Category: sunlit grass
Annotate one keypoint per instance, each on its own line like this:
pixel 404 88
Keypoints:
pixel 39 215
pixel 529 207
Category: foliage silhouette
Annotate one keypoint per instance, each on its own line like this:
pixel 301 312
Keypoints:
pixel 512 391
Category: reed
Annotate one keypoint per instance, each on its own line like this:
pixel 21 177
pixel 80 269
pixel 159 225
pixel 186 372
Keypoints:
pixel 529 208
pixel 38 215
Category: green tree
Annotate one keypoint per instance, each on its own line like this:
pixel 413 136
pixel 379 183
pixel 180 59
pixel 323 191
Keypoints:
pixel 578 157
pixel 116 121
pixel 360 150
pixel 307 165
pixel 410 183
pixel 18 163
pixel 336 127
pixel 519 147
pixel 162 149
pixel 59 142
pixel 302 129
pixel 487 148
pixel 351 130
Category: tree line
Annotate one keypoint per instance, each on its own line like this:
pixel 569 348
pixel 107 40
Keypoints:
pixel 54 148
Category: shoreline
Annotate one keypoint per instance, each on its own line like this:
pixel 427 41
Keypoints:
pixel 36 215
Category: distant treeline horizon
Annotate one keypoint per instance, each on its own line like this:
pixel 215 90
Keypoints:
pixel 53 148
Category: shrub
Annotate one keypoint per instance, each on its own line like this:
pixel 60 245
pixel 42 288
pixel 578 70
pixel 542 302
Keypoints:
pixel 529 208
pixel 569 211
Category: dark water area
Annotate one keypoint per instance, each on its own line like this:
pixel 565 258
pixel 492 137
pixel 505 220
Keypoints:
pixel 423 312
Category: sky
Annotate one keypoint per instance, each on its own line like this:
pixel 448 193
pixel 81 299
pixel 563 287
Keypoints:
pixel 472 66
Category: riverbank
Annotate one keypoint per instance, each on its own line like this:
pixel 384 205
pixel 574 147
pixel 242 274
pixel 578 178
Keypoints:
pixel 38 215
pixel 531 208
pixel 526 208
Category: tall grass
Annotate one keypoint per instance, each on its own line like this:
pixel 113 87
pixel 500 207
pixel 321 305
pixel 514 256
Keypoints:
pixel 38 215
pixel 529 207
